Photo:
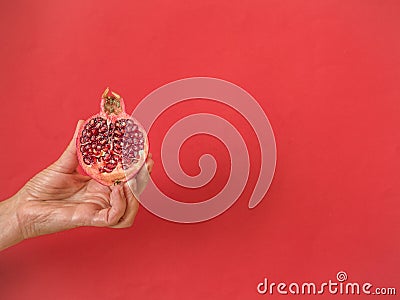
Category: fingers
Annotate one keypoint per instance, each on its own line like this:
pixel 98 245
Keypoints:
pixel 121 214
pixel 68 161
pixel 124 204
pixel 150 162
pixel 110 215
pixel 118 205
pixel 132 206
pixel 142 179
pixel 136 185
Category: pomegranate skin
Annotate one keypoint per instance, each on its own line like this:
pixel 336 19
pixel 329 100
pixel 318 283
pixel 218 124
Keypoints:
pixel 111 145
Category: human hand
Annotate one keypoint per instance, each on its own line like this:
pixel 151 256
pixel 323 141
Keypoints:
pixel 59 198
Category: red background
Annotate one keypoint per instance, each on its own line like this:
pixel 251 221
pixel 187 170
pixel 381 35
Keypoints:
pixel 325 72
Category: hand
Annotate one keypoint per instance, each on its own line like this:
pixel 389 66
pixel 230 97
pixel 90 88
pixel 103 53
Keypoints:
pixel 59 198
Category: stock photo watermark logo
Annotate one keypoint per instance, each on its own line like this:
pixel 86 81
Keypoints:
pixel 339 286
pixel 157 102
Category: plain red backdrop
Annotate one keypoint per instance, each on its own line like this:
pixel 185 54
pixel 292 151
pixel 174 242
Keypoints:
pixel 325 72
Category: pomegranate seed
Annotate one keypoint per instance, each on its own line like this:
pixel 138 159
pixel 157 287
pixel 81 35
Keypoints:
pixel 87 160
pixel 103 129
pixel 126 161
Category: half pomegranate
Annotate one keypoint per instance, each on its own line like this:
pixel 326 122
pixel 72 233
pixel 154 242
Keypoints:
pixel 111 146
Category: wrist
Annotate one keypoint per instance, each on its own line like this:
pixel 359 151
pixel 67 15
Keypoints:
pixel 11 232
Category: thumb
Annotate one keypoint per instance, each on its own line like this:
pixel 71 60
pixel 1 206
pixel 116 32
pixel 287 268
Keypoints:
pixel 68 162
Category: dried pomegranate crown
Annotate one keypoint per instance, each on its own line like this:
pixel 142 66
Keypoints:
pixel 112 145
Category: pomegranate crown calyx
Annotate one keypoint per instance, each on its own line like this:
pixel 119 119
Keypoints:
pixel 112 103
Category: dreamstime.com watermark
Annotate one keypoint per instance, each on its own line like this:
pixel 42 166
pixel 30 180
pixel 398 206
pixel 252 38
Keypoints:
pixel 210 123
pixel 340 286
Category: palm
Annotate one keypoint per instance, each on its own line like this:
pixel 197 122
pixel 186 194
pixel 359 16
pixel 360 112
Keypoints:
pixel 73 188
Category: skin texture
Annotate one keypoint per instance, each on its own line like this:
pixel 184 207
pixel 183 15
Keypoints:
pixel 59 198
